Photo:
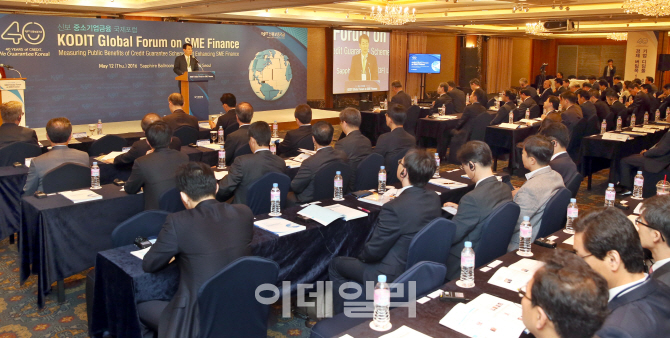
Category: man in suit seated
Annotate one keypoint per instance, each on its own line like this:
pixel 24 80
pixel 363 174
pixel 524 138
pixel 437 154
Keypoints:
pixel 589 111
pixel 650 81
pixel 477 205
pixel 542 183
pixel 155 172
pixel 523 83
pixel 141 147
pixel 303 118
pixel 654 103
pixel 607 241
pixel 399 96
pixel 551 112
pixel 509 97
pixel 563 295
pixel 653 227
pixel 443 100
pixel 618 108
pixel 203 239
pixel 559 87
pixel 244 112
pixel 397 140
pixel 59 133
pixel 571 113
pixel 602 109
pixel 653 160
pixel 228 119
pixel 618 84
pixel 558 135
pixel 547 91
pixel 302 186
pixel 178 117
pixel 247 169
pixel 355 145
pixel 10 131
pixel 574 87
pixel 457 97
pixel 464 127
pixel 527 103
pixel 665 101
pixel 385 252
pixel 640 103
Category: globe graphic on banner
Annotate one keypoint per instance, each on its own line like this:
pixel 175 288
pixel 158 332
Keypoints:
pixel 270 74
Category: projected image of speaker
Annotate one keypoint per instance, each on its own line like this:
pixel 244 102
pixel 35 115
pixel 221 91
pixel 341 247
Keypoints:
pixel 664 62
pixel 360 61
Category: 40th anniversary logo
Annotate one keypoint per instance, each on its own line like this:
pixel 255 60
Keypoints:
pixel 32 33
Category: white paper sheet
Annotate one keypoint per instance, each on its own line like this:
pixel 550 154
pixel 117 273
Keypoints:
pixel 212 146
pixel 279 226
pixel 219 175
pixel 292 164
pixel 204 125
pixel 485 317
pixel 79 196
pixel 450 210
pixel 638 208
pixel 405 332
pixel 349 213
pixel 111 156
pixel 570 240
pixel 527 265
pixel 508 125
pixel 446 183
pixel 140 253
pixel 320 214
pixel 509 279
pixel 301 157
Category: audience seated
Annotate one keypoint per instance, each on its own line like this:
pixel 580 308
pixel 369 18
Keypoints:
pixel 302 186
pixel 617 107
pixel 523 82
pixel 476 205
pixel 474 85
pixel 602 109
pixel 178 117
pixel 141 147
pixel 650 81
pixel 457 97
pixel 474 109
pixel 399 96
pixel 571 113
pixel 617 84
pixel 665 100
pixel 560 87
pixel 565 298
pixel 355 145
pixel 640 103
pixel 654 103
pixel 607 241
pixel 588 109
pixel 509 97
pixel 246 169
pixel 59 133
pixel 444 99
pixel 574 87
pixel 244 112
pixel 527 101
pixel 228 118
pixel 10 131
pixel 552 114
pixel 558 135
pixel 202 239
pixel 289 146
pixel 546 91
pixel 385 252
pixel 397 140
pixel 653 160
pixel 653 227
pixel 155 172
pixel 542 183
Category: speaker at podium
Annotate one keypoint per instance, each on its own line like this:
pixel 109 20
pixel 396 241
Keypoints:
pixel 194 89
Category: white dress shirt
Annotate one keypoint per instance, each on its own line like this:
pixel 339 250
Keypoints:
pixel 659 264
pixel 476 184
pixel 626 288
pixel 556 155
pixel 532 173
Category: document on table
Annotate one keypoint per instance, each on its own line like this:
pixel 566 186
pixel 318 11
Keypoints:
pixel 570 240
pixel 450 210
pixel 348 213
pixel 531 121
pixel 644 130
pixel 79 196
pixel 326 215
pixel 380 199
pixel 301 157
pixel 508 125
pixel 486 316
pixel 204 125
pixel 306 151
pixel 279 226
pixel 219 175
pixel 292 164
pixel 615 137
pixel 634 133
pixel 638 208
pixel 446 183
pixel 445 117
pixel 405 332
pixel 97 137
pixel 111 156
pixel 510 279
pixel 213 146
pixel 527 265
pixel 140 253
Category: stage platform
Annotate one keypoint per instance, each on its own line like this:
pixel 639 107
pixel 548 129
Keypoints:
pixel 283 116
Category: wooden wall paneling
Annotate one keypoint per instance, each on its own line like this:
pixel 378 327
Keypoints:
pixel 328 74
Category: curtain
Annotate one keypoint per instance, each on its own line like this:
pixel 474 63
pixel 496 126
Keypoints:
pixel 403 43
pixel 499 64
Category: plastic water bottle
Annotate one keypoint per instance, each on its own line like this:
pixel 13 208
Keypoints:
pixel 381 319
pixel 415 101
pixel 632 120
pixel 467 266
pixel 275 200
pixel 220 141
pixel 275 129
pixel 619 123
pixel 467 99
pixel 511 117
pixel 603 127
pixel 637 186
pixel 527 114
pixel 443 110
pixel 222 158
pixel 339 184
pixel 610 195
pixel 657 115
pixel 381 187
pixel 573 213
pixel 646 118
pixel 437 165
pixel 273 148
pixel 99 127
pixel 95 176
pixel 525 237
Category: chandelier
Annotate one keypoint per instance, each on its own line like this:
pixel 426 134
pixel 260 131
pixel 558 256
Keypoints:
pixel 393 14
pixel 44 2
pixel 618 36
pixel 647 7
pixel 536 28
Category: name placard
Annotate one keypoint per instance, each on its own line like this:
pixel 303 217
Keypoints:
pixel 615 137
pixel 508 125
pixel 202 143
pixel 79 135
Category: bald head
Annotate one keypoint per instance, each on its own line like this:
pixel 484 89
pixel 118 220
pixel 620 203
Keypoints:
pixel 148 120
pixel 244 112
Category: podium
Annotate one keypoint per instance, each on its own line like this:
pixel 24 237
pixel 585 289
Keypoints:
pixel 194 90
pixel 12 90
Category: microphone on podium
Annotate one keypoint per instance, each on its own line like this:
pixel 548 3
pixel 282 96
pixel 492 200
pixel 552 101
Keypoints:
pixel 5 66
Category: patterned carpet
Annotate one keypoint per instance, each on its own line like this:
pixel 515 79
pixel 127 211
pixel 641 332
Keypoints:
pixel 20 317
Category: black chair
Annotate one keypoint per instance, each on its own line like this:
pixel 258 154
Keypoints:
pixel 258 194
pixel 323 180
pixel 432 243
pixel 491 103
pixel 236 284
pixel 306 143
pixel 574 183
pixel 107 144
pixel 576 135
pixel 611 120
pixel 171 201
pixel 555 213
pixel 231 129
pixel 186 134
pixel 413 113
pixel 391 165
pixel 592 126
pixel 67 176
pixel 536 111
pixel 479 126
pixel 145 224
pixel 497 232
pixel 18 152
pixel 367 172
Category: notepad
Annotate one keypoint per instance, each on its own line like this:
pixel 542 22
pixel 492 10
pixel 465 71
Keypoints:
pixel 508 125
pixel 327 215
pixel 292 164
pixel 279 226
pixel 300 158
pixel 111 156
pixel 79 196
pixel 485 316
pixel 446 183
pixel 219 175
pixel 204 125
pixel 212 146
pixel 510 279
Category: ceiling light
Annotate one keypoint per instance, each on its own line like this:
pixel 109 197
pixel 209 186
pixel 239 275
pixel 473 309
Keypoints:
pixel 44 2
pixel 393 14
pixel 525 9
pixel 654 8
pixel 567 8
pixel 536 28
pixel 560 7
pixel 618 36
pixel 286 11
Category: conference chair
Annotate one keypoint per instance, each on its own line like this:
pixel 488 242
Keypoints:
pixel 367 172
pixel 107 144
pixel 306 143
pixel 231 129
pixel 611 120
pixel 496 233
pixel 323 180
pixel 392 167
pixel 170 201
pixel 555 213
pixel 258 193
pixel 592 126
pixel 432 243
pixel 479 126
pixel 186 134
pixel 576 135
pixel 413 113
pixel 574 183
pixel 227 302
pixel 18 152
pixel 536 111
pixel 67 176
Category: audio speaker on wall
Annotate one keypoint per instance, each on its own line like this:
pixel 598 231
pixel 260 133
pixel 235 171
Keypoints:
pixel 664 62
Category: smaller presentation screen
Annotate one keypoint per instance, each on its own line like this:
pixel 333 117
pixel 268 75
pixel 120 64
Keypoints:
pixel 424 63
pixel 360 61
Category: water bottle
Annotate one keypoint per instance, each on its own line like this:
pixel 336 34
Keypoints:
pixel 222 158
pixel 443 110
pixel 415 101
pixel 437 165
pixel 573 213
pixel 632 120
pixel 381 320
pixel 338 193
pixel 619 123
pixel 610 195
pixel 646 118
pixel 657 115
pixel 511 117
pixel 275 129
pixel 603 127
pixel 560 107
pixel 467 99
pixel 527 114
pixel 273 148
pixel 386 104
pixel 220 141
pixel 95 176
pixel 637 186
pixel 467 266
pixel 99 127
pixel 525 237
pixel 381 187
pixel 275 201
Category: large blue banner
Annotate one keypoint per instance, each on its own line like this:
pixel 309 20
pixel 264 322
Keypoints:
pixel 119 70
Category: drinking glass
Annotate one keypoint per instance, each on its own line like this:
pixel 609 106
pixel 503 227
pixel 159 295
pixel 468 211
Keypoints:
pixel 213 135
pixel 91 128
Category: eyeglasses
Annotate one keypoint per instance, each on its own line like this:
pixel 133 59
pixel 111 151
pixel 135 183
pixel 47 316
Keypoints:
pixel 400 162
pixel 523 293
pixel 639 222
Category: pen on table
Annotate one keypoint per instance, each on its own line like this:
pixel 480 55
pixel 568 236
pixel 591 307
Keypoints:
pixel 366 210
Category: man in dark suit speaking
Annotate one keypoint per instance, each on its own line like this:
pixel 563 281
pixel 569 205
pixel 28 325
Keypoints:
pixel 363 65
pixel 187 62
